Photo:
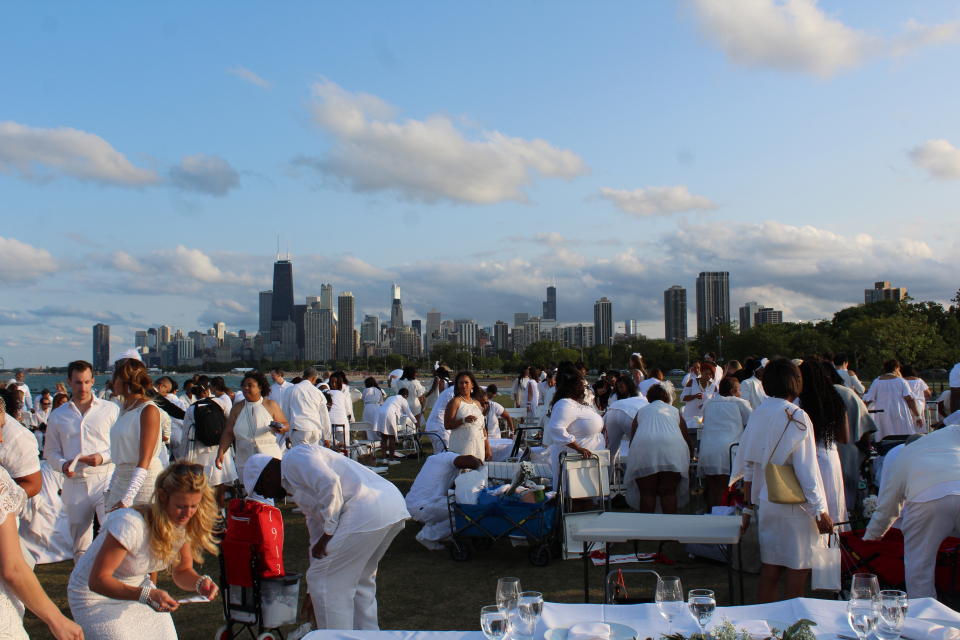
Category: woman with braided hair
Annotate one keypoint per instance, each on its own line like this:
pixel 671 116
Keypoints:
pixel 828 413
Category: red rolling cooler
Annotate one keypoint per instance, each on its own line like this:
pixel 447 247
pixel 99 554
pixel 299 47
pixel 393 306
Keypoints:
pixel 256 591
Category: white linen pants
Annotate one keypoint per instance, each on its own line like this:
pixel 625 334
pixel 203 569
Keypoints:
pixel 83 497
pixel 343 585
pixel 925 525
pixel 435 516
pixel 298 437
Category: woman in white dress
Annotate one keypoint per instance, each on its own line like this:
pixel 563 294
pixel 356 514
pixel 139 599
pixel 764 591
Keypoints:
pixel 135 438
pixel 19 586
pixel 253 423
pixel 372 397
pixel 892 395
pixel 658 466
pixel 920 390
pixel 575 426
pixel 199 453
pixel 416 397
pixel 463 418
pixel 637 371
pixel 828 413
pixel 110 591
pixel 780 433
pixel 696 391
pixel 618 420
pixel 519 391
pixel 724 417
pixel 393 413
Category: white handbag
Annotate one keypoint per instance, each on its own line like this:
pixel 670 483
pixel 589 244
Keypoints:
pixel 826 565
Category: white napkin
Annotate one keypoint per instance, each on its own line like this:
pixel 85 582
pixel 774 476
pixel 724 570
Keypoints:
pixel 73 465
pixel 916 629
pixel 589 631
pixel 756 628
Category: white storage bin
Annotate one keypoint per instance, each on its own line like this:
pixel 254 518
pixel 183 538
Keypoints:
pixel 278 597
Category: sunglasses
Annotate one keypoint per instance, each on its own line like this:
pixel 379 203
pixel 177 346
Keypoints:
pixel 183 469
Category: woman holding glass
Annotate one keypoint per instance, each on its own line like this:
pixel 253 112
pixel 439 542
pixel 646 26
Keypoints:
pixel 779 433
pixel 464 419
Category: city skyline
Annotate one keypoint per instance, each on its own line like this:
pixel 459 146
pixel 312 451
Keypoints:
pixel 807 164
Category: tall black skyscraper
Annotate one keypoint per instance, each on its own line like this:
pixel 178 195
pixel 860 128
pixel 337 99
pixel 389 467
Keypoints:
pixel 550 306
pixel 675 314
pixel 282 302
pixel 101 347
pixel 713 300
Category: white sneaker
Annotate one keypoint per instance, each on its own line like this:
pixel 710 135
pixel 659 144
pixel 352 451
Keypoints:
pixel 429 544
pixel 393 462
pixel 297 510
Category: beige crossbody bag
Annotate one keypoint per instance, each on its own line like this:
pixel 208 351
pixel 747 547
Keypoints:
pixel 782 484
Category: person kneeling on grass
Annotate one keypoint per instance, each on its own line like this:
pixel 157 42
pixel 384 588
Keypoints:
pixel 352 516
pixel 389 416
pixel 427 500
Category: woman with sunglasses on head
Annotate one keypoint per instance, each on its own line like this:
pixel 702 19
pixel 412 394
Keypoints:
pixel 110 592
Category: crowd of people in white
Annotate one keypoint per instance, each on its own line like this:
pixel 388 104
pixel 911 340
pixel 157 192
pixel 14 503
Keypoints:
pixel 150 468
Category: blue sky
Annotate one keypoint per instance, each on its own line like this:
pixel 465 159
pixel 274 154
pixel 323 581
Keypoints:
pixel 150 154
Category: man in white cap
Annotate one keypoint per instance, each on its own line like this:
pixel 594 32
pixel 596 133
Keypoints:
pixel 352 516
pixel 78 444
pixel 307 412
pixel 427 500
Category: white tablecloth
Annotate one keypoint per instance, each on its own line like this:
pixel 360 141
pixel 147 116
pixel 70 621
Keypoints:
pixel 830 616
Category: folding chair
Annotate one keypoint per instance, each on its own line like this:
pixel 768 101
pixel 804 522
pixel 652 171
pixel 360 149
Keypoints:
pixel 408 438
pixel 616 586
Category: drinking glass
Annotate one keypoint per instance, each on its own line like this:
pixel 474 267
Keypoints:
pixel 864 586
pixel 702 604
pixel 862 615
pixel 531 606
pixel 507 589
pixel 892 612
pixel 670 598
pixel 493 622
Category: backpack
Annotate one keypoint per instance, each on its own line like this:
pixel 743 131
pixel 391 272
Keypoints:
pixel 252 526
pixel 209 422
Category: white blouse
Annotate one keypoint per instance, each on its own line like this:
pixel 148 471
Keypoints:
pixel 125 436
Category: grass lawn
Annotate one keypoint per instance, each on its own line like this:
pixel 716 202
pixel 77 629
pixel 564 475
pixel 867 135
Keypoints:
pixel 426 590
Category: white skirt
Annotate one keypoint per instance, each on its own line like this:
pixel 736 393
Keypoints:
pixel 715 452
pixel 831 473
pixel 207 456
pixel 788 535
pixel 370 412
pixel 657 446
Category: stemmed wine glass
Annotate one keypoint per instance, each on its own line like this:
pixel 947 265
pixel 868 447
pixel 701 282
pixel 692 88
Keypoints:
pixel 862 615
pixel 702 604
pixel 669 598
pixel 508 589
pixel 531 606
pixel 892 612
pixel 864 586
pixel 493 622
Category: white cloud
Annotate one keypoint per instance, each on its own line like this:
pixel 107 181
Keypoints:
pixel 938 157
pixel 211 175
pixel 796 35
pixel 70 311
pixel 427 160
pixel 656 201
pixel 37 153
pixel 21 262
pixel 250 76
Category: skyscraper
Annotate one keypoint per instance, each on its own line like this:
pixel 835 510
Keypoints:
pixel 370 329
pixel 675 314
pixel 299 311
pixel 501 335
pixel 467 331
pixel 417 325
pixel 603 321
pixel 266 312
pixel 101 346
pixel 220 328
pixel 713 299
pixel 396 308
pixel 318 334
pixel 163 334
pixel 345 345
pixel 326 296
pixel 550 306
pixel 282 302
pixel 630 327
pixel 140 341
pixel 747 313
pixel 433 326
pixel 520 319
pixel 313 301
pixel 767 315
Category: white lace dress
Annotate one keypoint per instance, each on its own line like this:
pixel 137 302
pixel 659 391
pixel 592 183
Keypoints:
pixel 12 500
pixel 468 439
pixel 108 619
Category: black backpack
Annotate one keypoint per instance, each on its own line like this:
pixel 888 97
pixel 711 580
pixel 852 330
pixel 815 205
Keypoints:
pixel 209 422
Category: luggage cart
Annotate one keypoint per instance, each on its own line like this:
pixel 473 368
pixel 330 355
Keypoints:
pixel 269 604
pixel 487 523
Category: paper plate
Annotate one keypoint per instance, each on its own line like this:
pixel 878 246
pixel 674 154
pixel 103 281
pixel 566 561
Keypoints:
pixel 617 632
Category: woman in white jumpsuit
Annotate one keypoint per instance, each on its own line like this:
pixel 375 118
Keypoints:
pixel 249 424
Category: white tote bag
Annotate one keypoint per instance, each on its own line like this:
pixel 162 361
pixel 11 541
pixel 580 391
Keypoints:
pixel 826 565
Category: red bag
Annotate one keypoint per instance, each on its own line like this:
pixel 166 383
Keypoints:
pixel 252 523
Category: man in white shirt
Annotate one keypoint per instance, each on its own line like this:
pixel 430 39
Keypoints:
pixel 439 436
pixel 923 487
pixel 308 415
pixel 341 409
pixel 279 386
pixel 79 431
pixel 493 411
pixel 849 378
pixel 427 499
pixel 19 453
pixel 27 398
pixel 352 516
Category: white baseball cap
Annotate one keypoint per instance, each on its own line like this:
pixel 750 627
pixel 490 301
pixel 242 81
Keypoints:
pixel 252 470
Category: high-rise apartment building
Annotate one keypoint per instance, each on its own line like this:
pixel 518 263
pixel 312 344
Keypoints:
pixel 326 296
pixel 531 331
pixel 434 318
pixel 370 329
pixel 573 336
pixel 220 330
pixel 345 346
pixel 299 311
pixel 140 341
pixel 101 346
pixel 713 300
pixel 630 327
pixel 266 312
pixel 163 334
pixel 501 335
pixel 550 306
pixel 318 334
pixel 520 319
pixel 884 291
pixel 417 325
pixel 747 312
pixel 767 315
pixel 396 307
pixel 675 314
pixel 185 349
pixel 603 321
pixel 467 331
pixel 282 301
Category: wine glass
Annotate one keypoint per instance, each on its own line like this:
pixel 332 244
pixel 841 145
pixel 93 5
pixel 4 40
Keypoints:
pixel 669 598
pixel 531 606
pixel 892 612
pixel 507 589
pixel 702 604
pixel 862 615
pixel 864 586
pixel 493 622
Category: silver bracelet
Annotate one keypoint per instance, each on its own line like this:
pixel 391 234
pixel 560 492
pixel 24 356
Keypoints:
pixel 200 581
pixel 145 595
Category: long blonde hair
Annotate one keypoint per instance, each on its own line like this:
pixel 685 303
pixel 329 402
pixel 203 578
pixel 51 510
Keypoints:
pixel 165 539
